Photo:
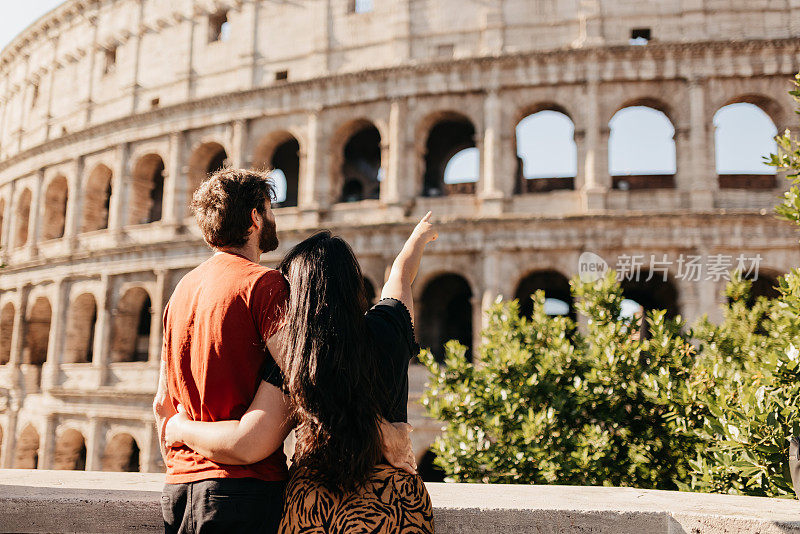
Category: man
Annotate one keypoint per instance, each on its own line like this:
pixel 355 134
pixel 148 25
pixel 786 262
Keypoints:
pixel 217 325
pixel 215 329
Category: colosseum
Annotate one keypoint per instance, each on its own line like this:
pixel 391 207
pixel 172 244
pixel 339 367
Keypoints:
pixel 113 111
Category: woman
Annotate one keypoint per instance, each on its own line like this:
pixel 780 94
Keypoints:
pixel 345 371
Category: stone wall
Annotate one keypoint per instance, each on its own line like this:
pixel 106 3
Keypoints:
pixel 111 113
pixel 48 501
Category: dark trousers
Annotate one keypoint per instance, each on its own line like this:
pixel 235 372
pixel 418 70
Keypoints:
pixel 222 505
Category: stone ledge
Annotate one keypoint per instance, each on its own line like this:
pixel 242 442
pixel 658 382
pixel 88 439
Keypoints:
pixel 70 501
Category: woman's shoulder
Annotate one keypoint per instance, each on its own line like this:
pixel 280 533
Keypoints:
pixel 392 326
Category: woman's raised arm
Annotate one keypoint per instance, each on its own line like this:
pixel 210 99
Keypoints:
pixel 405 266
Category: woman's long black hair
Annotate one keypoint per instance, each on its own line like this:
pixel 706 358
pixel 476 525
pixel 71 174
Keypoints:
pixel 330 372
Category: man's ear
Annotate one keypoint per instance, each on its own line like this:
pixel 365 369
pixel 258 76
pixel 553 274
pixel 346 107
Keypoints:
pixel 256 219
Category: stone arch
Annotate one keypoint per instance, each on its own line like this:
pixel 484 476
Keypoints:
pixel 555 167
pixel 767 104
pixel 7 316
pixel 641 147
pixel 131 334
pixel 450 134
pixel 356 161
pixel 22 216
pixel 121 454
pixel 147 190
pixel 81 322
pixel 27 451
pixel 558 297
pixel 445 313
pixel 206 159
pixel 97 199
pixel 55 208
pixel 70 451
pixel 37 332
pixel 280 153
pixel 739 150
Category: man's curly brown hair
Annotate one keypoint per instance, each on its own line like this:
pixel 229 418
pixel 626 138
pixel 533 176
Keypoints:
pixel 223 203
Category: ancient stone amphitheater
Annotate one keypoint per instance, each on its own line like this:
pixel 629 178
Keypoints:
pixel 112 112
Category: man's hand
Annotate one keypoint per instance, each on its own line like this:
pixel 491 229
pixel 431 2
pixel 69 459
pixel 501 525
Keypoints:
pixel 172 431
pixel 396 445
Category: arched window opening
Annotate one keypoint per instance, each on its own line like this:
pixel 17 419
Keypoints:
pixel 97 200
pixel 743 135
pixel 641 149
pixel 447 139
pixel 547 156
pixel 37 333
pixel 445 313
pixel 80 330
pixel 6 330
pixel 428 470
pixel 131 340
pixel 27 451
pixel 121 454
pixel 23 217
pixel 55 209
pixel 147 190
pixel 286 165
pixel 653 294
pixel 70 453
pixel 361 168
pixel 207 159
pixel 558 298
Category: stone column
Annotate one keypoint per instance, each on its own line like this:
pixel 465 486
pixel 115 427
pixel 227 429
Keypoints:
pixel 18 332
pixel 47 443
pixel 495 182
pixel 55 40
pixel 402 31
pixel 314 188
pixel 9 444
pixel 94 445
pixel 477 321
pixel 156 318
pixel 119 191
pixel 74 201
pixel 101 351
pixel 596 179
pixel 238 143
pixel 391 186
pixel 55 343
pixel 175 198
pixel 7 235
pixel 491 281
pixel 150 459
pixel 34 220
pixel 701 179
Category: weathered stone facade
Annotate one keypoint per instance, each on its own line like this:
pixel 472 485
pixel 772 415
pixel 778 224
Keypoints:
pixel 111 112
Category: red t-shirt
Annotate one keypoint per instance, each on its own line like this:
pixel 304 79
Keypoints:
pixel 215 326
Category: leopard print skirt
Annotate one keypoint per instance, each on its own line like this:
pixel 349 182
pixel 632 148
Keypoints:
pixel 392 501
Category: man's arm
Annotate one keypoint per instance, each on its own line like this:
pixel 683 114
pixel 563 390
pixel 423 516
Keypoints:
pixel 162 408
pixel 259 433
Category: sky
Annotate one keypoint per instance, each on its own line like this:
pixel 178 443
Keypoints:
pixel 640 140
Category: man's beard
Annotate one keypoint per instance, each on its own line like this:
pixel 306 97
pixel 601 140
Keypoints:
pixel 268 238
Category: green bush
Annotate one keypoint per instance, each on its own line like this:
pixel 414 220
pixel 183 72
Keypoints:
pixel 707 408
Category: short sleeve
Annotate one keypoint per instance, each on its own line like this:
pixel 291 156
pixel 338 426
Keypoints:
pixel 390 322
pixel 271 373
pixel 268 302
